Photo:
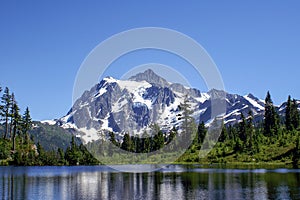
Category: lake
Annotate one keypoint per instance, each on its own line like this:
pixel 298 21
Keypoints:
pixel 172 182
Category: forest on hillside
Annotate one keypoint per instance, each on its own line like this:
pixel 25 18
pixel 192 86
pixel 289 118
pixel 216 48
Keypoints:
pixel 273 140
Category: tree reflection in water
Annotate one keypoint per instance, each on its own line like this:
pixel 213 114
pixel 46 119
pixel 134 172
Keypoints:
pixel 103 183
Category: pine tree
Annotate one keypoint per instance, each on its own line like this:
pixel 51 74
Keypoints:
pixel 201 132
pixel 127 143
pixel 159 140
pixel 11 114
pixel 188 125
pixel 16 120
pixel 6 100
pixel 271 121
pixel 1 107
pixel 250 129
pixel 295 114
pixel 146 143
pixel 26 124
pixel 288 115
pixel 242 128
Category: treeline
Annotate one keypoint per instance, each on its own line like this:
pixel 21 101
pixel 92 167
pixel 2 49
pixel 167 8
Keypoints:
pixel 17 147
pixel 157 139
pixel 275 139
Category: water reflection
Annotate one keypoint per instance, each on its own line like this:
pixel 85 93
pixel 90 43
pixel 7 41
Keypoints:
pixel 176 182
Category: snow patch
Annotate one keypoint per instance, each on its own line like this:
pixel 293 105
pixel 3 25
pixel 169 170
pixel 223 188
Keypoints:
pixel 117 107
pixel 50 122
pixel 69 126
pixel 254 103
pixel 90 135
pixel 204 97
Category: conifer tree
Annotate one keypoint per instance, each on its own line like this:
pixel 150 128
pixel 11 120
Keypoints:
pixel 26 124
pixel 159 140
pixel 243 128
pixel 295 114
pixel 127 143
pixel 201 132
pixel 188 125
pixel 250 129
pixel 16 119
pixel 271 121
pixel 11 114
pixel 145 143
pixel 1 107
pixel 288 115
pixel 5 111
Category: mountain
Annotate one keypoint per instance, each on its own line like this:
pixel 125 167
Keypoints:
pixel 135 104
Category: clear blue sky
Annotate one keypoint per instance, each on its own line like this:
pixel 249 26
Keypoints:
pixel 256 45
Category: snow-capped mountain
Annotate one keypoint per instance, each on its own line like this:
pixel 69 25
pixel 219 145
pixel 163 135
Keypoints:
pixel 134 105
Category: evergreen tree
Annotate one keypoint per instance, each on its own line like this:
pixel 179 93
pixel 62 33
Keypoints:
pixel 11 114
pixel 201 132
pixel 271 120
pixel 288 115
pixel 26 124
pixel 73 155
pixel 127 143
pixel 5 111
pixel 146 143
pixel 295 114
pixel 16 119
pixel 296 152
pixel 243 129
pixel 1 107
pixel 159 140
pixel 250 129
pixel 188 122
pixel 223 135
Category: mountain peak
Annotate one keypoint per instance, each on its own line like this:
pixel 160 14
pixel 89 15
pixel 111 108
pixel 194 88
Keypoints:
pixel 151 77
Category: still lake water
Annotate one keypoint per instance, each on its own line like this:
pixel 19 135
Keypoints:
pixel 173 182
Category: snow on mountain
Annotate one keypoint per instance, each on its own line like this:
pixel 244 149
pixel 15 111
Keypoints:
pixel 134 105
pixel 254 102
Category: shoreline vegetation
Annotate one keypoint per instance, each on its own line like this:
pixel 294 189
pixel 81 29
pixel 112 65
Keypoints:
pixel 270 143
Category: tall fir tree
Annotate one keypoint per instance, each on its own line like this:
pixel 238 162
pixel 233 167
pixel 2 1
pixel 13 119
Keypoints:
pixel 201 132
pixel 243 129
pixel 250 130
pixel 271 119
pixel 26 124
pixel 127 143
pixel 11 114
pixel 188 126
pixel 15 123
pixel 295 114
pixel 288 114
pixel 5 114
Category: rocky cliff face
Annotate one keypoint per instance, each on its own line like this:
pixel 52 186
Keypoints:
pixel 134 105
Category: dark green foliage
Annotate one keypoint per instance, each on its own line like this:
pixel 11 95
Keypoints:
pixel 18 148
pixel 50 137
pixel 127 143
pixel 243 129
pixel 288 115
pixel 295 118
pixel 201 133
pixel 26 123
pixel 5 110
pixel 266 141
pixel 296 152
pixel 271 121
